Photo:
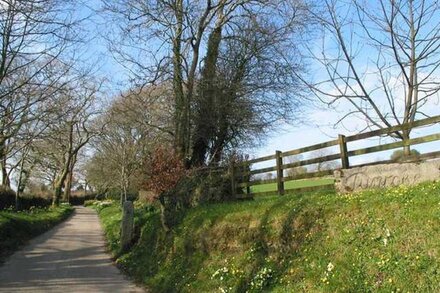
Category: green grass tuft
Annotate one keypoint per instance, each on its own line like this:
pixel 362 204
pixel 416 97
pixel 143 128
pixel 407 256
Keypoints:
pixel 371 241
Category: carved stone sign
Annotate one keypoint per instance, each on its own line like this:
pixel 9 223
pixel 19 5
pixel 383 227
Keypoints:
pixel 380 176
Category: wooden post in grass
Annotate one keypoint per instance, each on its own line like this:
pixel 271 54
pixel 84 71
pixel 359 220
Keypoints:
pixel 127 225
pixel 344 152
pixel 280 182
pixel 232 174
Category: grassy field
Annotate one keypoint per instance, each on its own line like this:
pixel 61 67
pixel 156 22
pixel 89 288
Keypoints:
pixel 372 241
pixel 18 227
pixel 292 184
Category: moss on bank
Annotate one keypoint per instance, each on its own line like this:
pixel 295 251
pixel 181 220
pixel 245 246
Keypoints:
pixel 372 241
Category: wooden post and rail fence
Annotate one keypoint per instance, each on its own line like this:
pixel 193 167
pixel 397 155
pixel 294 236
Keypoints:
pixel 241 172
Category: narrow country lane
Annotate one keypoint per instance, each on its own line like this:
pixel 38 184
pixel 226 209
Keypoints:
pixel 69 258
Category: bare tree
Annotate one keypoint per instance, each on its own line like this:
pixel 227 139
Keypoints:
pixel 379 59
pixel 247 81
pixel 132 126
pixel 177 25
pixel 326 165
pixel 101 173
pixel 296 170
pixel 267 176
pixel 30 111
pixel 172 34
pixel 58 147
pixel 35 35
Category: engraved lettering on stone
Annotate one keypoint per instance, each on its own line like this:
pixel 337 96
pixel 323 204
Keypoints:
pixel 381 176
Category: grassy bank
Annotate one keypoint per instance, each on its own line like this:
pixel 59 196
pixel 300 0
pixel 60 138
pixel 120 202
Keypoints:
pixel 18 227
pixel 375 241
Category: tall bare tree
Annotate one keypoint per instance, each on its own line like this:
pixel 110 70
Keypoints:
pixel 379 59
pixel 133 126
pixel 247 80
pixel 35 35
pixel 58 147
pixel 172 36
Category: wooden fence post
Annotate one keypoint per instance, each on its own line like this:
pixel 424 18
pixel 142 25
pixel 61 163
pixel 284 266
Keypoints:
pixel 248 187
pixel 248 177
pixel 232 173
pixel 344 152
pixel 280 182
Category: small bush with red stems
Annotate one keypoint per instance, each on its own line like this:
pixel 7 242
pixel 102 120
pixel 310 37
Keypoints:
pixel 165 170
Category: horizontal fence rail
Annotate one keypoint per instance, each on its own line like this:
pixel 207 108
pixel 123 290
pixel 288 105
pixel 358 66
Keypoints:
pixel 241 172
pixel 383 131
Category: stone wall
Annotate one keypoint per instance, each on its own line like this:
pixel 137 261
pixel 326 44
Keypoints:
pixel 380 176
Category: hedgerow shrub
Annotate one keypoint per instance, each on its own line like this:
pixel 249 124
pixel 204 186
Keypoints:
pixel 7 200
pixel 89 203
pixel 194 189
pixel 177 189
pixel 29 201
pixel 115 194
pixel 7 197
pixel 399 156
pixel 79 200
pixel 165 170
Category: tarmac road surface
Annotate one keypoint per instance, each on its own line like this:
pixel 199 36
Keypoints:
pixel 71 257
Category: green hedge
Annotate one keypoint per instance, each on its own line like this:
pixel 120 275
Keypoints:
pixel 79 200
pixel 7 200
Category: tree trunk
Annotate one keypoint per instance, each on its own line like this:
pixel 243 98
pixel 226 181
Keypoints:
pixel 206 122
pixel 60 180
pixel 5 176
pixel 412 83
pixel 20 187
pixel 68 187
pixel 123 189
pixel 57 193
pixel 179 96
pixel 406 148
pixel 58 187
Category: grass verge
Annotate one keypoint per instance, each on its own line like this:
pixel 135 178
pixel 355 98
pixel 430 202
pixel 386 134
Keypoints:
pixel 16 228
pixel 292 184
pixel 371 241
